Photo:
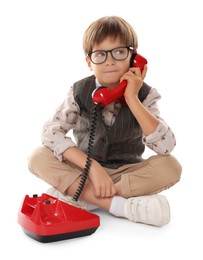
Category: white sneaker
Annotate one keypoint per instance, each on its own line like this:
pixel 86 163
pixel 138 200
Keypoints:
pixel 65 198
pixel 152 210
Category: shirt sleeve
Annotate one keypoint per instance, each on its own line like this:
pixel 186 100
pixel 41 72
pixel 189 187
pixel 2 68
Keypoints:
pixel 56 129
pixel 162 140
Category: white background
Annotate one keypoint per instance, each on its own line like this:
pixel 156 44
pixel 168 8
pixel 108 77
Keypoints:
pixel 40 57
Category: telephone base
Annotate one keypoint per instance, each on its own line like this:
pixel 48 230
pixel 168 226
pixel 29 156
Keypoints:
pixel 47 219
pixel 58 237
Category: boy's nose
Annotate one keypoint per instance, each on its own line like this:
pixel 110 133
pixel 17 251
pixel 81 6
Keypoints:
pixel 110 59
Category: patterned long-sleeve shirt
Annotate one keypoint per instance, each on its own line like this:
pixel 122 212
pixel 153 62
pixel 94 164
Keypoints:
pixel 56 131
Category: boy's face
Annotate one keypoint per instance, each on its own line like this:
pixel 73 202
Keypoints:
pixel 109 72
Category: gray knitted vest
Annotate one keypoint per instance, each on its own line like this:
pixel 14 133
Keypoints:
pixel 116 145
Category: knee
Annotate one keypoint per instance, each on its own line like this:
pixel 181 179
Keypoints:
pixel 172 167
pixel 35 159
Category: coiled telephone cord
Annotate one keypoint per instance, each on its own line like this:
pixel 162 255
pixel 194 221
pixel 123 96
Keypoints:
pixel 89 153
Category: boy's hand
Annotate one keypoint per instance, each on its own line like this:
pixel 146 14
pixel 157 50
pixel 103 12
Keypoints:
pixel 135 79
pixel 103 184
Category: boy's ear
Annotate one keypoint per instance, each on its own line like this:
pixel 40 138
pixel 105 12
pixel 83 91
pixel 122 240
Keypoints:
pixel 88 63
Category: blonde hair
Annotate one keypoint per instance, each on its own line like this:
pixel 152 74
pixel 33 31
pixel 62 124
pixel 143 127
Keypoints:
pixel 112 26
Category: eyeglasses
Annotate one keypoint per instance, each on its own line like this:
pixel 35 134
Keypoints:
pixel 119 53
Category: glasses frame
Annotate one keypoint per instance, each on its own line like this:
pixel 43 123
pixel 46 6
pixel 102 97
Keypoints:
pixel 129 48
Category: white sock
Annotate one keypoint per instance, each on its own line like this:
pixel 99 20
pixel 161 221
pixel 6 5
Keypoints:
pixel 117 206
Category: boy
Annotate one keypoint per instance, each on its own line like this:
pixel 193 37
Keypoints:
pixel 119 180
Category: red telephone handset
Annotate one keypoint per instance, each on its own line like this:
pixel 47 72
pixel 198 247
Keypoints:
pixel 105 96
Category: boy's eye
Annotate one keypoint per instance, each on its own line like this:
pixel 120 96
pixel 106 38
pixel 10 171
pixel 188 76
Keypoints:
pixel 119 52
pixel 99 54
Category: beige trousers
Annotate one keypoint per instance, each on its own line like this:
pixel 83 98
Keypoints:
pixel 151 176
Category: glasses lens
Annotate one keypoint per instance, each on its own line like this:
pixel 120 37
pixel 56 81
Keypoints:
pixel 120 53
pixel 98 57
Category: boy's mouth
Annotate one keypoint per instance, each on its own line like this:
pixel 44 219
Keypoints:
pixel 110 71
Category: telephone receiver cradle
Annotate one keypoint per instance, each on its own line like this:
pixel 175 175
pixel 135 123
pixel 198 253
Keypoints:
pixel 105 96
